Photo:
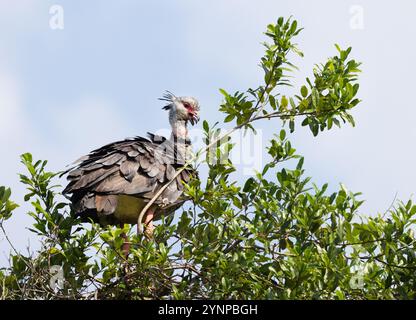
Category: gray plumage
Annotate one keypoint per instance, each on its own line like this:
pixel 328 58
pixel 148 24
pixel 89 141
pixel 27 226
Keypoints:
pixel 111 184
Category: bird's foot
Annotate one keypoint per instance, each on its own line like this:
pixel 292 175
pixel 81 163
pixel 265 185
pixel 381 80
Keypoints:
pixel 148 224
pixel 148 231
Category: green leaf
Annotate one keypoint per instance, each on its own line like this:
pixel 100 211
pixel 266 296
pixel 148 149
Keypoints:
pixel 304 91
pixel 229 118
pixel 315 97
pixel 248 186
pixel 205 126
pixel 292 103
pixel 282 135
pixel 292 125
pixel 27 157
pixel 284 102
pixel 224 93
pixel 293 26
pixel 300 163
pixel 338 48
pixel 272 101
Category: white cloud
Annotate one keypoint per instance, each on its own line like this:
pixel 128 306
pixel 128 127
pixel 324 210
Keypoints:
pixel 10 111
pixel 13 129
pixel 81 126
pixel 73 131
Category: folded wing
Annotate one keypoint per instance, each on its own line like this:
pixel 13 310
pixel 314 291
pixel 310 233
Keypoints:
pixel 136 167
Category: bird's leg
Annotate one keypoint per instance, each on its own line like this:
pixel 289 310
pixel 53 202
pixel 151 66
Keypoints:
pixel 148 223
pixel 125 248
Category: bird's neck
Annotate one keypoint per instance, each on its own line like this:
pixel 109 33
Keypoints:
pixel 181 140
pixel 179 131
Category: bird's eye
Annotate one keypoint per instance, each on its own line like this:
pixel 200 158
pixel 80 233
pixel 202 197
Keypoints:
pixel 187 105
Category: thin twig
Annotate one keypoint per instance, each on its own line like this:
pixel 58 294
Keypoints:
pixel 205 149
pixel 7 239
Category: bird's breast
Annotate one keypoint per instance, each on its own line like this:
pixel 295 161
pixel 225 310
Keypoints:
pixel 128 209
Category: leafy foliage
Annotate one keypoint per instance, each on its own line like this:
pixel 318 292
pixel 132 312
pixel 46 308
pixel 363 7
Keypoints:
pixel 276 236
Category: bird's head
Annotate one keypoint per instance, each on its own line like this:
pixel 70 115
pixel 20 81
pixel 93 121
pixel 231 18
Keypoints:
pixel 182 108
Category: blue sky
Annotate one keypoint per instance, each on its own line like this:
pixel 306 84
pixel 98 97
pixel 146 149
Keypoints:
pixel 64 92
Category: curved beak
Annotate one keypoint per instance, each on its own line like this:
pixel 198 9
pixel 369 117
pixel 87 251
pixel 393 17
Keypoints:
pixel 194 118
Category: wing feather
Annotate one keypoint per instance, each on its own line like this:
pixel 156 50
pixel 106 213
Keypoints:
pixel 137 167
pixel 129 169
pixel 105 205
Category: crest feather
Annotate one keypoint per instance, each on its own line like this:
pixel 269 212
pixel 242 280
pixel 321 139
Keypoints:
pixel 169 97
